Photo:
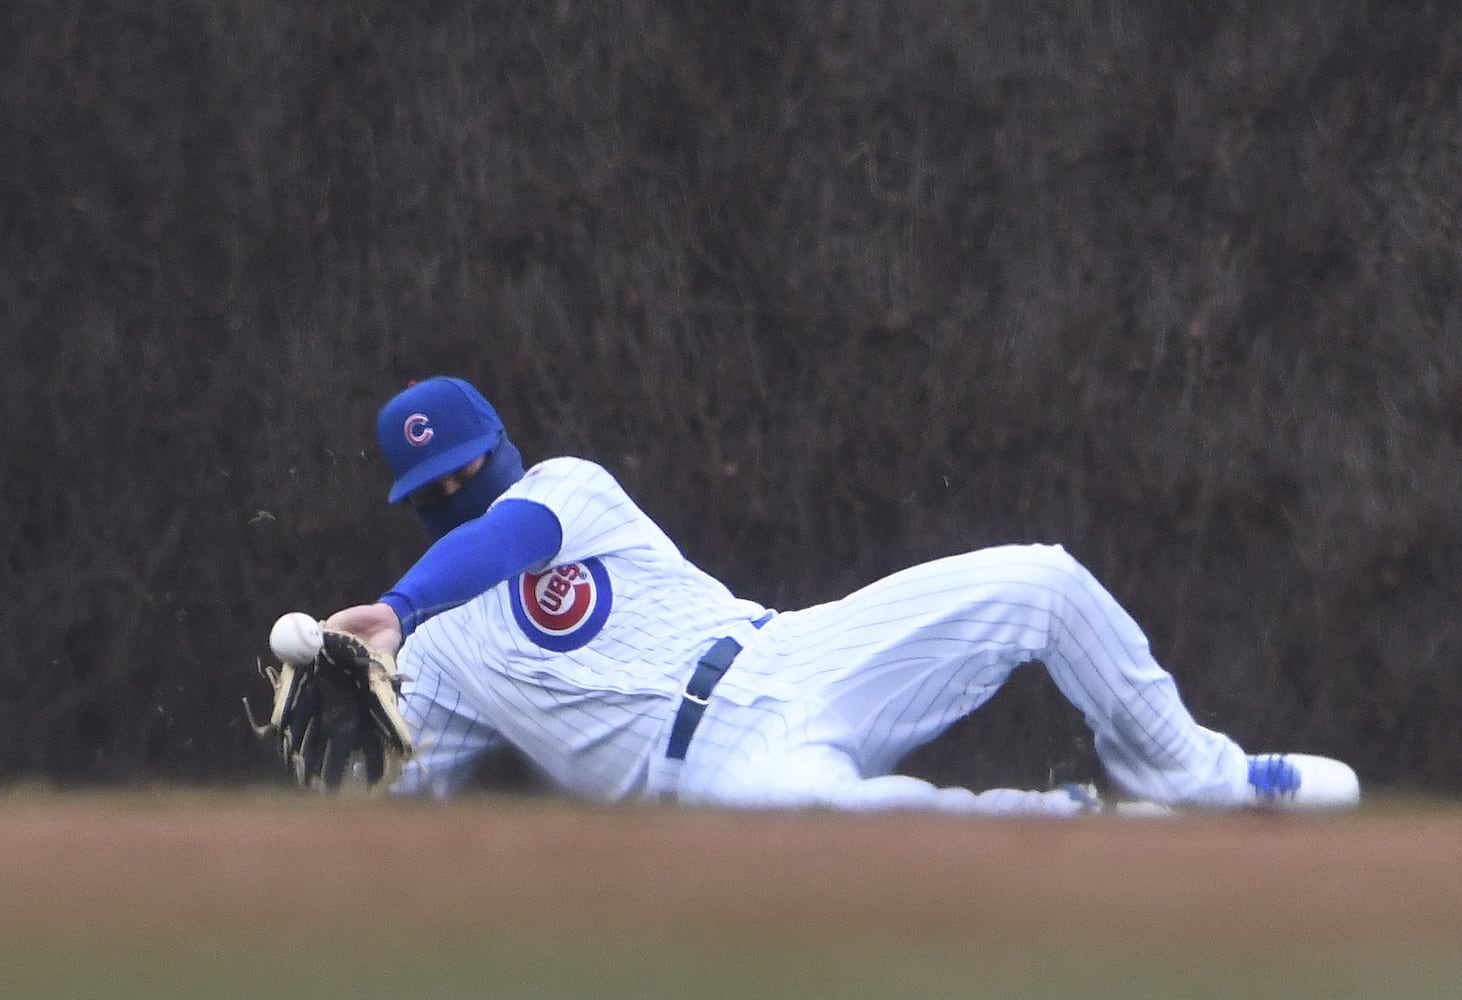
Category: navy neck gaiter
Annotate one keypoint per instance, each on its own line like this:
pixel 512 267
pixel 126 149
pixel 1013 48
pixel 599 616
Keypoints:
pixel 503 468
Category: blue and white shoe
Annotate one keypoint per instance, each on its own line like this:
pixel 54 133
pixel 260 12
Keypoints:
pixel 1297 781
pixel 1087 799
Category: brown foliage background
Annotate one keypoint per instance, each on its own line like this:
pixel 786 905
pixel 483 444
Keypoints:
pixel 832 287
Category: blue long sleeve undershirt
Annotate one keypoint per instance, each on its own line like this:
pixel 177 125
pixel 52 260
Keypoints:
pixel 512 536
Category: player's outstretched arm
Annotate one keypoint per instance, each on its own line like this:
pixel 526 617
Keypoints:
pixel 513 536
pixel 374 624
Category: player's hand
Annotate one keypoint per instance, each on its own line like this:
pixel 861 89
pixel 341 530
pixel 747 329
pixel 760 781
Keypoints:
pixel 375 624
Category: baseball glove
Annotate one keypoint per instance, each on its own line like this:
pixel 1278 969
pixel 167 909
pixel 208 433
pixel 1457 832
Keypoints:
pixel 337 717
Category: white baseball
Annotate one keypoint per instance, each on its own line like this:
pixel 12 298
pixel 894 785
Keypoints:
pixel 296 638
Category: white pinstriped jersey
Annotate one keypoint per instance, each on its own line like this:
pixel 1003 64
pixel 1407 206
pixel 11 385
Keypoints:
pixel 581 664
pixel 578 664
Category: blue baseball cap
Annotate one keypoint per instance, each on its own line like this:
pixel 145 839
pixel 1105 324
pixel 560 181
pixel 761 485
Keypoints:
pixel 434 427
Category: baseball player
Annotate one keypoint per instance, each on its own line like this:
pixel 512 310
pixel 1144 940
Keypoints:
pixel 552 614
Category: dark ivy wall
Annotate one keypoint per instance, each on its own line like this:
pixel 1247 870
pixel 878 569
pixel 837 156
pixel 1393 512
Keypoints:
pixel 832 287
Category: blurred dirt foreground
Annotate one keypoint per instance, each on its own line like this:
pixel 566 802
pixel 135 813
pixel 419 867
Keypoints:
pixel 490 886
pixel 832 287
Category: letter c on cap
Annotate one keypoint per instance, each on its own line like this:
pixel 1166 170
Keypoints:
pixel 417 429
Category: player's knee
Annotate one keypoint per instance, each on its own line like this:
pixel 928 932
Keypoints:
pixel 1051 565
pixel 1050 571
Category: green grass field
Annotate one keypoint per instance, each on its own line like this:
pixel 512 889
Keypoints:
pixel 252 895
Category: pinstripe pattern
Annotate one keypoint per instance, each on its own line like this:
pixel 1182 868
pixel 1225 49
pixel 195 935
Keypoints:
pixel 826 698
pixel 820 704
pixel 590 718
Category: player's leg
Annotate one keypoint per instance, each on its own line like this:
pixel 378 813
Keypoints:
pixel 894 664
pixel 901 791
pixel 822 777
pixel 1100 659
pixel 1148 741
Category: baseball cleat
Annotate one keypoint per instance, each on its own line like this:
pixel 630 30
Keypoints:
pixel 1301 782
pixel 1086 797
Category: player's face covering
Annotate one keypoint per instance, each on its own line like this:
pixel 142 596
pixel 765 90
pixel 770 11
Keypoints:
pixel 474 493
pixel 432 434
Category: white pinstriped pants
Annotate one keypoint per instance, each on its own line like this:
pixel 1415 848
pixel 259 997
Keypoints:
pixel 822 703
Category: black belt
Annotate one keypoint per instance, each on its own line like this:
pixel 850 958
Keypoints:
pixel 708 672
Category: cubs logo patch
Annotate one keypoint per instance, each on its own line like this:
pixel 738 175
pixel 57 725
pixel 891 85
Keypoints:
pixel 563 608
